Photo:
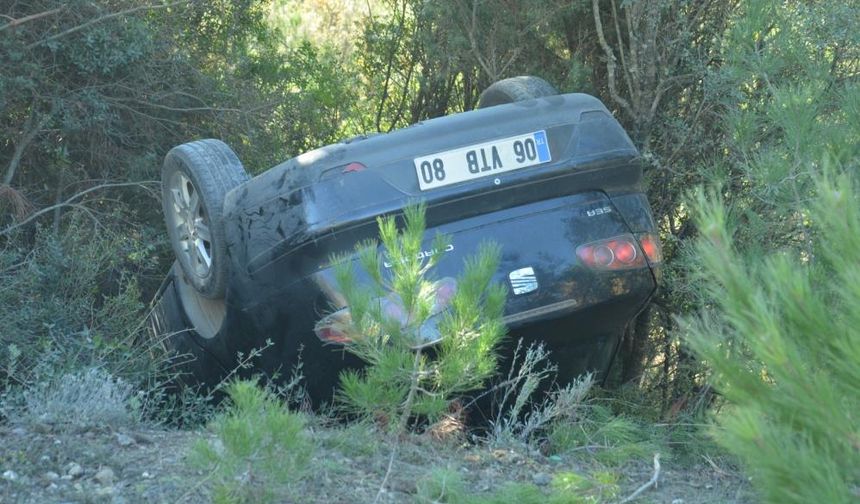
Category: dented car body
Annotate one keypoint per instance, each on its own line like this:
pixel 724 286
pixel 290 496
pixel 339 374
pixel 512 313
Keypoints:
pixel 555 181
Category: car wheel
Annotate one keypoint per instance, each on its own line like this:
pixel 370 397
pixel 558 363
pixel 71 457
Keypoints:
pixel 515 89
pixel 194 179
pixel 178 315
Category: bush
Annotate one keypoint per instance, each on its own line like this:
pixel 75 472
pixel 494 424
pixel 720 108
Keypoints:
pixel 260 446
pixel 72 401
pixel 72 303
pixel 777 261
pixel 391 319
pixel 520 416
pixel 783 339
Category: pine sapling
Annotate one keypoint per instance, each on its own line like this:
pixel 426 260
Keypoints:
pixel 425 340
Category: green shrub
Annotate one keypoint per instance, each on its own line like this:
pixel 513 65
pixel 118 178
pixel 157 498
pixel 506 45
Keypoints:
pixel 777 263
pixel 447 486
pixel 75 400
pixel 259 447
pixel 403 378
pixel 783 339
pixel 611 439
pixel 71 302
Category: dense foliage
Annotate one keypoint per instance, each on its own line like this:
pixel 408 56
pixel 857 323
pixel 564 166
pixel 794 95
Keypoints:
pixel 778 322
pixel 92 96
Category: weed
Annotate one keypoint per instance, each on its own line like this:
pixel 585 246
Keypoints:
pixel 260 446
pixel 69 401
pixel 354 440
pixel 519 417
pixel 611 439
pixel 447 486
pixel 441 486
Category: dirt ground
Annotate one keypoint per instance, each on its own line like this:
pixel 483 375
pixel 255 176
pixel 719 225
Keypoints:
pixel 349 466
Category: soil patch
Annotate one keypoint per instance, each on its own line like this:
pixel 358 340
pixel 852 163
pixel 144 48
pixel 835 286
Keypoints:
pixel 349 466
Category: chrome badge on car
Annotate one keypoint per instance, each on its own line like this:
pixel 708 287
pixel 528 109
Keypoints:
pixel 523 280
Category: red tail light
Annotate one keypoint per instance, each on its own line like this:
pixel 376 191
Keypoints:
pixel 621 252
pixel 652 248
pixel 331 335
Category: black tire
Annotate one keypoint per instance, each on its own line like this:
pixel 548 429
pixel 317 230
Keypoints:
pixel 175 321
pixel 194 179
pixel 515 89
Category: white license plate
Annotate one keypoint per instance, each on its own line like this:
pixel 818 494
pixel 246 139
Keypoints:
pixel 482 160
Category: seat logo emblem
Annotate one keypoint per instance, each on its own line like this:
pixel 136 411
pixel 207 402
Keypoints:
pixel 523 280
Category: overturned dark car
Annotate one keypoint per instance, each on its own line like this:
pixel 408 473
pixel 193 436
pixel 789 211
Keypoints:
pixel 553 179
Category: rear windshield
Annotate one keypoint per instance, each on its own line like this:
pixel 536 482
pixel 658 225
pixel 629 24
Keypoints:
pixel 599 134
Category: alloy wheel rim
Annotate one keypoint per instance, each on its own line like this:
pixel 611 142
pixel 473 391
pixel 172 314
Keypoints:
pixel 191 225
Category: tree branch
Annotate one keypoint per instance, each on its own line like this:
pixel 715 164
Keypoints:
pixel 624 69
pixel 474 43
pixel 70 202
pixel 32 17
pixel 30 133
pixel 388 68
pixel 610 62
pixel 105 18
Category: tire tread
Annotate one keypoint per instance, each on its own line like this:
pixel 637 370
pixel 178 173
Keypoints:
pixel 515 89
pixel 215 170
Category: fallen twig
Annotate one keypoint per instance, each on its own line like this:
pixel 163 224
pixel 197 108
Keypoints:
pixel 649 484
pixel 387 474
pixel 713 464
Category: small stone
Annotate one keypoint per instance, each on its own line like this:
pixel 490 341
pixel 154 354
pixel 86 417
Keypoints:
pixel 19 431
pixel 51 476
pixel 677 501
pixel 124 440
pixel 74 470
pixel 146 475
pixel 709 487
pixel 78 487
pixel 542 479
pixel 105 476
pixel 10 475
pixel 500 454
pixel 44 459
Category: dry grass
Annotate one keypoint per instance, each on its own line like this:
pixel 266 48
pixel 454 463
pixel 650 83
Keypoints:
pixel 18 204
